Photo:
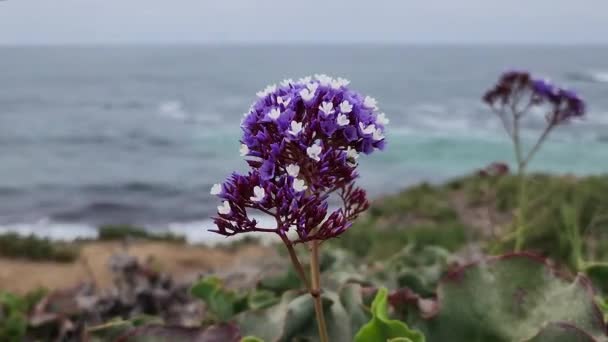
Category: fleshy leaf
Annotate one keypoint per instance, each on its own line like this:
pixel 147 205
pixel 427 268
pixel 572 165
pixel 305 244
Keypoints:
pixel 294 317
pixel 261 299
pixel 221 303
pixel 561 332
pixel 511 298
pixel 381 328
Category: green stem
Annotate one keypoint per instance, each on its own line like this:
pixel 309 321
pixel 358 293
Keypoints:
pixel 521 199
pixel 316 290
pixel 296 262
pixel 520 221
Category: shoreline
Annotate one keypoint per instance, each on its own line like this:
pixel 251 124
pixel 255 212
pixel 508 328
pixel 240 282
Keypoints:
pixel 196 232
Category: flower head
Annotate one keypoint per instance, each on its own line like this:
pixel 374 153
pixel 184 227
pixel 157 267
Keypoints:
pixel 521 91
pixel 302 141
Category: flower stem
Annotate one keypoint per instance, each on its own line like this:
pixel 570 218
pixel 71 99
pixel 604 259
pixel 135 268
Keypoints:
pixel 296 262
pixel 520 222
pixel 316 290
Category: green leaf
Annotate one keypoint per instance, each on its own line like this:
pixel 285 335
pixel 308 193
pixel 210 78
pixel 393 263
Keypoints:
pixel 251 339
pixel 293 317
pixel 511 298
pixel 221 303
pixel 261 299
pixel 561 332
pixel 598 273
pixel 110 331
pixel 381 328
pixel 204 289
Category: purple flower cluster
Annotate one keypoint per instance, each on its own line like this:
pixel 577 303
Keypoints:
pixel 520 91
pixel 302 140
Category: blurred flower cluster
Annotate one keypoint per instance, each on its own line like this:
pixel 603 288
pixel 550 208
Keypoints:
pixel 302 140
pixel 519 91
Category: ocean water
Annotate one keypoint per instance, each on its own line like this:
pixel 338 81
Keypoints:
pixel 137 135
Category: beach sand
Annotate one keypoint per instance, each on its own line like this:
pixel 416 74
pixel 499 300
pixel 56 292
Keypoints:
pixel 183 262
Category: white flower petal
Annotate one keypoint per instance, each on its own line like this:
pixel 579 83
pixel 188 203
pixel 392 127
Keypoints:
pixel 295 128
pixel 299 185
pixel 258 194
pixel 305 80
pixel 286 82
pixel 342 120
pixel 377 135
pixel 346 107
pixel 327 107
pixel 293 170
pixel 370 102
pixel 307 95
pixel 367 130
pixel 274 113
pixel 314 152
pixel 244 150
pixel 351 153
pixel 224 209
pixel 216 189
pixel 381 119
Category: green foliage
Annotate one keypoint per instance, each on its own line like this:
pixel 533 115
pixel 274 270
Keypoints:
pixel 598 273
pixel 224 304
pixel 511 298
pixel 561 213
pixel 603 304
pixel 121 232
pixel 381 328
pixel 282 282
pixel 416 268
pixel 13 317
pixel 251 339
pixel 34 248
pixel 424 201
pixel 366 239
pixel 294 317
pixel 13 314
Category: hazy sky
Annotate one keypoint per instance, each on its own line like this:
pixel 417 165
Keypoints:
pixel 293 21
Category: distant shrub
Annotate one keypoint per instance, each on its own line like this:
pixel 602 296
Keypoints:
pixel 120 232
pixel 34 248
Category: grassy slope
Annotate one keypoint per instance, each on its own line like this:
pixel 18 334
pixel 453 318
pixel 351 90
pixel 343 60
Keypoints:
pixel 480 210
pixel 468 209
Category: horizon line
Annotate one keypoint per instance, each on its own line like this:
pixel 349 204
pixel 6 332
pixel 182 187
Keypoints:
pixel 306 43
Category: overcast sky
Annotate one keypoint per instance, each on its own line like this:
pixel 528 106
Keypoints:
pixel 311 21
